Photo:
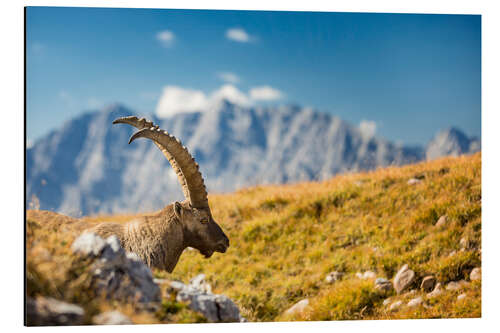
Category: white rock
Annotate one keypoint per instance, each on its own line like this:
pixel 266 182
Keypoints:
pixel 436 292
pixel 298 307
pixel 386 301
pixel 111 318
pixel 441 221
pixel 395 306
pixel 413 181
pixel 475 274
pixel 455 285
pixel 415 302
pixel 461 297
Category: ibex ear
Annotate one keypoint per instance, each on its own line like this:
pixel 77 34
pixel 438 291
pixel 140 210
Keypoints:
pixel 177 209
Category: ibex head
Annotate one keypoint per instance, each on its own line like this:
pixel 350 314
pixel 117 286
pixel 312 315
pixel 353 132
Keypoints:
pixel 200 231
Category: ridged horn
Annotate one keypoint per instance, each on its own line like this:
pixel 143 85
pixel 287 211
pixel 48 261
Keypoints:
pixel 180 159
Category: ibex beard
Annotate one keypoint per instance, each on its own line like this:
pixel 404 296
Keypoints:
pixel 159 239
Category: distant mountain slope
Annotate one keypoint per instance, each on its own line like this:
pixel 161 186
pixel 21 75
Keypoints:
pixel 452 142
pixel 87 167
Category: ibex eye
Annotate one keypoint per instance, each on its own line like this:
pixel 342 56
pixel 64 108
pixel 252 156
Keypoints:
pixel 204 220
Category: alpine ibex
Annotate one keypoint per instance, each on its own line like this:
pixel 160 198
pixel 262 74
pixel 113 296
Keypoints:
pixel 159 239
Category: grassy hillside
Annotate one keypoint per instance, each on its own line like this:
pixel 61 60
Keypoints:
pixel 286 239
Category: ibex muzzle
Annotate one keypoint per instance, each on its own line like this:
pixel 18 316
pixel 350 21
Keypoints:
pixel 160 239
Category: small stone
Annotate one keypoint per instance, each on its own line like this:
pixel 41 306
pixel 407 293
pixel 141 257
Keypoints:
pixel 333 276
pixel 413 181
pixel 461 297
pixel 452 253
pixel 382 284
pixel 386 301
pixel 475 274
pixel 428 283
pixel 403 279
pixel 369 275
pixel 455 285
pixel 464 243
pixel 436 292
pixel 298 307
pixel 111 318
pixel 395 306
pixel 359 275
pixel 441 221
pixel 415 302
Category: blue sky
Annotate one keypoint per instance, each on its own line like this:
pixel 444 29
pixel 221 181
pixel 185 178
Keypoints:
pixel 404 75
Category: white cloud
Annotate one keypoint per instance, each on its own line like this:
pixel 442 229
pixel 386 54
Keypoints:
pixel 368 128
pixel 229 77
pixel 238 35
pixel 265 93
pixel 175 99
pixel 165 37
pixel 232 94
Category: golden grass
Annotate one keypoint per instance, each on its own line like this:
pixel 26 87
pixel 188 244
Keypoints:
pixel 285 239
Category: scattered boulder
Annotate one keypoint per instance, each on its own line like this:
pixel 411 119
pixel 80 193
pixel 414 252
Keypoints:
pixel 199 297
pixel 395 306
pixel 436 292
pixel 456 285
pixel 475 274
pixel 428 283
pixel 403 279
pixel 441 222
pixel 298 307
pixel 383 285
pixel 461 297
pixel 333 276
pixel 414 181
pixel 117 274
pixel 48 311
pixel 111 318
pixel 415 302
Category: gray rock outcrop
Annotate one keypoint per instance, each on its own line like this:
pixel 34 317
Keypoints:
pixel 199 297
pixel 117 274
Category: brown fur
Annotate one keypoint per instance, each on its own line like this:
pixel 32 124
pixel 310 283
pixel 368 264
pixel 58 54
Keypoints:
pixel 159 239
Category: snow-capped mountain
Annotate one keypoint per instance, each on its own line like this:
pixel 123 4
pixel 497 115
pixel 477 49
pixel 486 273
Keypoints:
pixel 452 142
pixel 87 167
